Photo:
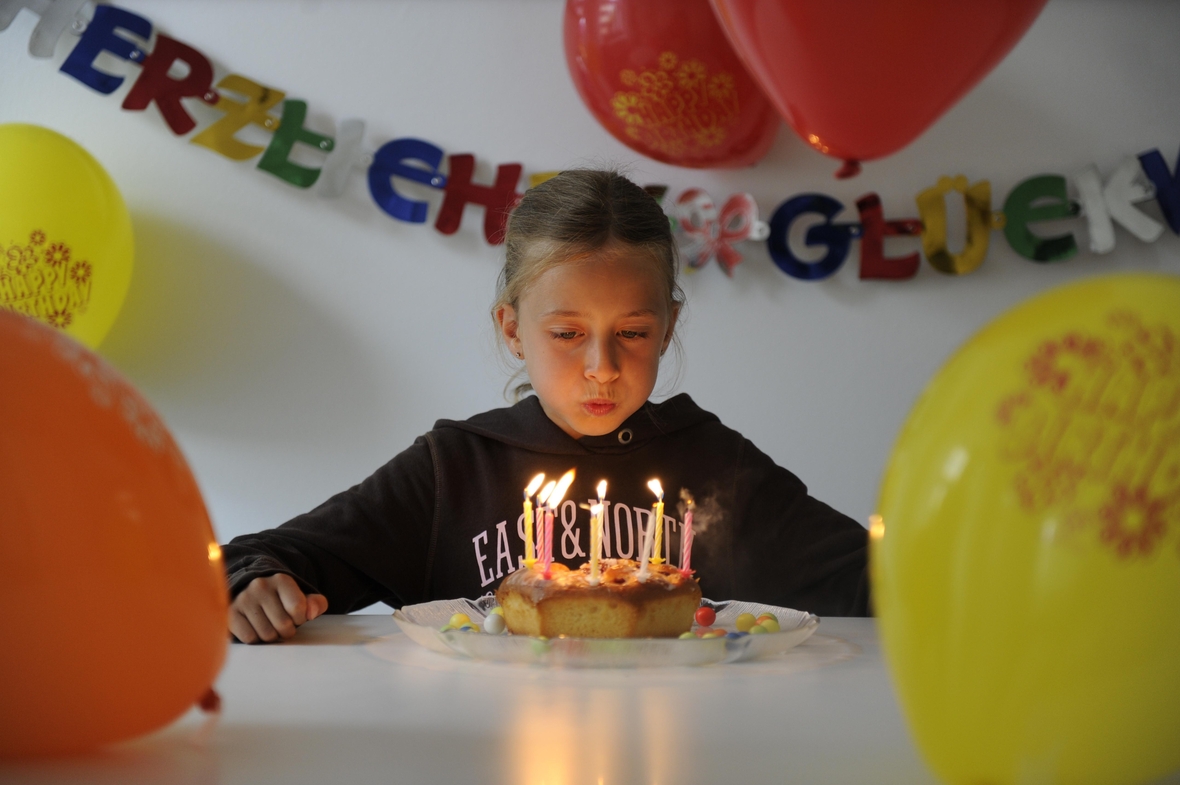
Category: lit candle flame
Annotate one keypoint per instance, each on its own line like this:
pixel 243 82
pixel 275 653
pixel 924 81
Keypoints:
pixel 534 485
pixel 543 496
pixel 656 522
pixel 601 490
pixel 530 554
pixel 595 509
pixel 876 527
pixel 214 552
pixel 563 485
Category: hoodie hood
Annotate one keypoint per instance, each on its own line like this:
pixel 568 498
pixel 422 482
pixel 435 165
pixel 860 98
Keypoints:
pixel 527 426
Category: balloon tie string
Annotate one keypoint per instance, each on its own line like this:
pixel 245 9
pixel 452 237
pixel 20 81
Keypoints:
pixel 851 168
pixel 210 703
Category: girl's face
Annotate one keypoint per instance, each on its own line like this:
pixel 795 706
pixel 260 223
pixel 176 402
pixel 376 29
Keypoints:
pixel 592 330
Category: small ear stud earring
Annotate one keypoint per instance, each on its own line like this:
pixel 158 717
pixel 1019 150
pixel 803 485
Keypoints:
pixel 520 355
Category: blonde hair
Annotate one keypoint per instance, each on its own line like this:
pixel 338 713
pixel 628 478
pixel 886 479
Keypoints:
pixel 582 211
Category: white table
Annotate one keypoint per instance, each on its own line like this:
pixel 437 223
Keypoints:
pixel 352 700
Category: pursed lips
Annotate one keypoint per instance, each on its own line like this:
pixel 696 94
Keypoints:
pixel 598 406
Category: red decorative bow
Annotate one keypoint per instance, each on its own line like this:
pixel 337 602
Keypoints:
pixel 707 234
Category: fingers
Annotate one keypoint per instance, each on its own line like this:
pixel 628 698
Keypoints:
pixel 317 605
pixel 252 611
pixel 292 600
pixel 239 629
pixel 271 608
pixel 240 626
pixel 276 614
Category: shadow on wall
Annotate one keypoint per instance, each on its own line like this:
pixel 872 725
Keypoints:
pixel 223 347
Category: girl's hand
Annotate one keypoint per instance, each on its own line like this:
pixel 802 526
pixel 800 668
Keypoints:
pixel 271 608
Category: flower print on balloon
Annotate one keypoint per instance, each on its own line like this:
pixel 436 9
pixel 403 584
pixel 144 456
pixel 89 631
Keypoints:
pixel 1090 432
pixel 41 279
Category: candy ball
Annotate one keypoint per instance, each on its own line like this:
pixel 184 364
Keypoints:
pixel 734 635
pixel 706 616
pixel 702 631
pixel 494 623
pixel 459 619
pixel 764 616
pixel 758 629
pixel 445 628
pixel 714 634
pixel 745 621
pixel 468 627
pixel 686 635
pixel 771 625
pixel 497 610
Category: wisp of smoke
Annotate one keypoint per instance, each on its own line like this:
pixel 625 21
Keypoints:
pixel 705 512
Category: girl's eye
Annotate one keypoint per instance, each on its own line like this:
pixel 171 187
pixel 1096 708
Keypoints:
pixel 566 335
pixel 633 333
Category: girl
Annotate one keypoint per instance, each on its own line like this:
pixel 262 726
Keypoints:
pixel 588 302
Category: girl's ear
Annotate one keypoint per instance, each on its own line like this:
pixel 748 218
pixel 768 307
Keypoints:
pixel 671 328
pixel 506 319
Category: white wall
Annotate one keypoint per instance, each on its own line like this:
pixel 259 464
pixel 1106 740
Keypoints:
pixel 294 344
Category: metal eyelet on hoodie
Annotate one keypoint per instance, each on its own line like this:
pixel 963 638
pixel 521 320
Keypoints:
pixel 625 436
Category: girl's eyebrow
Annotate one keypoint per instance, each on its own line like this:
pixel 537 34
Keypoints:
pixel 558 312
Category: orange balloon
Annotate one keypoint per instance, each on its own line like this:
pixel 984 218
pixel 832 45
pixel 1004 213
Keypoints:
pixel 115 611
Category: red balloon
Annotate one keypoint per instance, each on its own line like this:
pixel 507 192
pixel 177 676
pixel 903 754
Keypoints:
pixel 860 81
pixel 662 79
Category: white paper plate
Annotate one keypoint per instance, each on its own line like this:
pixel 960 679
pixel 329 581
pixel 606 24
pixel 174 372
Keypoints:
pixel 421 624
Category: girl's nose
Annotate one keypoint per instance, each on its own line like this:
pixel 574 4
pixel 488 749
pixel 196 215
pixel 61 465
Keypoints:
pixel 601 364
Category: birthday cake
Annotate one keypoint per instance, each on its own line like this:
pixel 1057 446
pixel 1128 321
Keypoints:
pixel 619 605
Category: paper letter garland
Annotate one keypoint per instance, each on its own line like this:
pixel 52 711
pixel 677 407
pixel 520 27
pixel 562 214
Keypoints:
pixel 708 234
pixel 291 130
pixel 390 161
pixel 255 110
pixel 977 199
pixel 1020 212
pixel 703 231
pixel 154 84
pixel 101 36
pixel 874 230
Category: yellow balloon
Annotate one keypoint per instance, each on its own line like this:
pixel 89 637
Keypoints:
pixel 1026 557
pixel 66 247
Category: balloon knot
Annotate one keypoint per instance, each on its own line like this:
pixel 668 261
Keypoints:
pixel 851 168
pixel 210 702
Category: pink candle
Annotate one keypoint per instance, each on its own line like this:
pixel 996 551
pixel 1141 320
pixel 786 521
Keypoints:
pixel 686 542
pixel 547 547
pixel 542 505
pixel 553 502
